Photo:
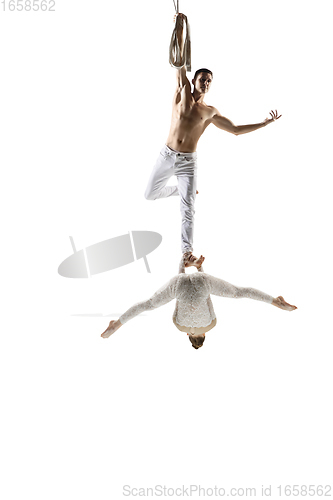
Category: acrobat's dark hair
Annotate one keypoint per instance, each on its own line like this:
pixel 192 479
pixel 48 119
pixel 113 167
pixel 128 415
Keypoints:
pixel 197 340
pixel 202 70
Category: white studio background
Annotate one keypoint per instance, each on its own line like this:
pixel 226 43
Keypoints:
pixel 85 108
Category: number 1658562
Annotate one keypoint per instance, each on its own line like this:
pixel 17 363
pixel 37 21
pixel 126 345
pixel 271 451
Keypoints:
pixel 27 5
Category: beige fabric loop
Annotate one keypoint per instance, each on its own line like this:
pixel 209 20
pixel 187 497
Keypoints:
pixel 177 58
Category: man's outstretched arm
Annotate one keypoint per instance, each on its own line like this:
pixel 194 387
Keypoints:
pixel 225 124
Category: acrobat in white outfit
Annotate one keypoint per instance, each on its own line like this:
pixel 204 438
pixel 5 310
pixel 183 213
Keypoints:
pixel 194 312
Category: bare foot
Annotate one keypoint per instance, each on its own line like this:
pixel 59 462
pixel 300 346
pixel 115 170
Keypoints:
pixel 113 326
pixel 197 192
pixel 198 263
pixel 282 304
pixel 191 260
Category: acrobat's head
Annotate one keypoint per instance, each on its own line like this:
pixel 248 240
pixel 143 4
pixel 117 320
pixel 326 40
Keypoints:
pixel 202 80
pixel 197 340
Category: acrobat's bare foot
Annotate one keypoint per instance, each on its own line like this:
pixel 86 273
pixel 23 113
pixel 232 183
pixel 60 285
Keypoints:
pixel 110 329
pixel 191 260
pixel 282 304
pixel 198 263
pixel 197 192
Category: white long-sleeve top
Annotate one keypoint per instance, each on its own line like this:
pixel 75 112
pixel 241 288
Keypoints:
pixel 194 307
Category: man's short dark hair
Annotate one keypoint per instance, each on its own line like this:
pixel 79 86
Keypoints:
pixel 202 70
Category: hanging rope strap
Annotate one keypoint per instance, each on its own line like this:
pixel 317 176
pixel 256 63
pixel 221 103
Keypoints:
pixel 177 57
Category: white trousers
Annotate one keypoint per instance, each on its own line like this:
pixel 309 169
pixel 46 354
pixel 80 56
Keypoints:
pixel 184 167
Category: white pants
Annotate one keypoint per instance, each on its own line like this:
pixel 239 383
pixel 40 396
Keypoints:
pixel 184 167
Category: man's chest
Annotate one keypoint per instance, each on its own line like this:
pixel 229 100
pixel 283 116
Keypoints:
pixel 197 114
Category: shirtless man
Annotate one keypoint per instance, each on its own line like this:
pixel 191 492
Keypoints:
pixel 190 118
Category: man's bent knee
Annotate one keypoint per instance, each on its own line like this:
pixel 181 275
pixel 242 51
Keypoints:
pixel 149 195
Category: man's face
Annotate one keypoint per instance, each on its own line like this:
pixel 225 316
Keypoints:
pixel 202 82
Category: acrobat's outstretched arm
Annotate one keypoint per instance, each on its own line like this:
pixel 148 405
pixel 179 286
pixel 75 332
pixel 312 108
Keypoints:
pixel 164 295
pixel 225 289
pixel 225 124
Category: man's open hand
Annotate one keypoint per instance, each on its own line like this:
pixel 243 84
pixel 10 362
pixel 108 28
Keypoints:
pixel 274 116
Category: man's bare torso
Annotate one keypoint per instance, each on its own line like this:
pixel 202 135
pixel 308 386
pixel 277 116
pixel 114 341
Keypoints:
pixel 189 121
